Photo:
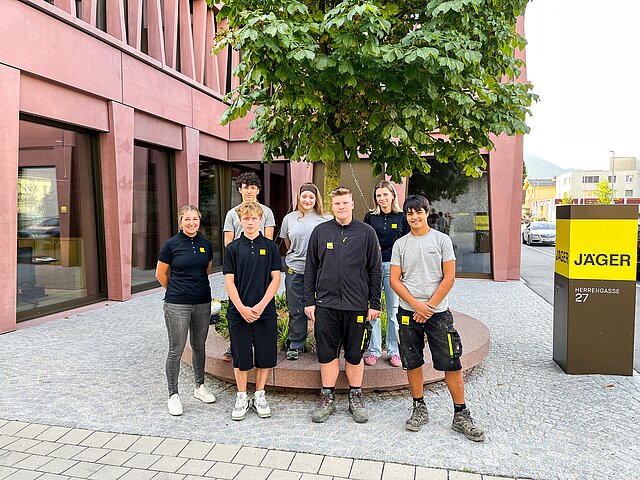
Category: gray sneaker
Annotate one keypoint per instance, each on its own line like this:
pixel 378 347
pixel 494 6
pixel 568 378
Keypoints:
pixel 326 406
pixel 356 406
pixel 463 423
pixel 419 417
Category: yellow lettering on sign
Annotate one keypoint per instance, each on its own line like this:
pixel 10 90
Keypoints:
pixel 596 249
pixel 263 251
pixel 329 245
pixel 482 222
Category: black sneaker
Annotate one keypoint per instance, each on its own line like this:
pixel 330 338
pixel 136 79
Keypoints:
pixel 227 355
pixel 326 406
pixel 463 423
pixel 356 406
pixel 419 417
pixel 293 353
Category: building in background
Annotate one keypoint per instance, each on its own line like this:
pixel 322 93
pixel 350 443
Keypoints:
pixel 540 199
pixel 110 121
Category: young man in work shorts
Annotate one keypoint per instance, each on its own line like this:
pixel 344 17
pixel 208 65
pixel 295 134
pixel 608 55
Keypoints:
pixel 422 273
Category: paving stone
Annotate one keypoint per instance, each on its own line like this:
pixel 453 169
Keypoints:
pixel 6 440
pixel 32 430
pixel 97 439
pixel 396 471
pixel 2 422
pixel 8 459
pixel 277 459
pixel 250 456
pixel 6 471
pixel 53 476
pixel 137 474
pixel 197 450
pixel 83 469
pixel 68 451
pixel 366 470
pixel 464 476
pixel 116 457
pixel 32 462
pixel 91 454
pixel 121 441
pixel 224 470
pixel 168 476
pixel 491 477
pixel 145 444
pixel 313 476
pixel 424 473
pixel 250 472
pixel 58 465
pixel 24 475
pixel 306 462
pixel 52 434
pixel 22 444
pixel 43 448
pixel 223 453
pixel 170 446
pixel 336 466
pixel 109 472
pixel 284 475
pixel 168 464
pixel 12 427
pixel 75 436
pixel 196 467
pixel 142 460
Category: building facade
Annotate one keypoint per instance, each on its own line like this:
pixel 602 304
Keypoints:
pixel 540 199
pixel 110 121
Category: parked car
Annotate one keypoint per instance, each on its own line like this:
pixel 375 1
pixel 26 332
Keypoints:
pixel 539 232
pixel 48 228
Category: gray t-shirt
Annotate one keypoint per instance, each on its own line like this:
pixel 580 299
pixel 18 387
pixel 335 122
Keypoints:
pixel 420 259
pixel 232 221
pixel 298 229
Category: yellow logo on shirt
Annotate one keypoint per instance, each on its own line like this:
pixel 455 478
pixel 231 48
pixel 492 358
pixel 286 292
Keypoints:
pixel 394 225
pixel 263 251
pixel 202 249
pixel 360 318
pixel 329 245
pixel 405 320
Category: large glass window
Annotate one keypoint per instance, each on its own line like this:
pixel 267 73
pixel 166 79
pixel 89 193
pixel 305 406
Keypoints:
pixel 465 218
pixel 153 213
pixel 59 252
pixel 210 204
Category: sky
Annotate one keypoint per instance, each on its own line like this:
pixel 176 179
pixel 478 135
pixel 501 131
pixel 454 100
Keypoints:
pixel 582 59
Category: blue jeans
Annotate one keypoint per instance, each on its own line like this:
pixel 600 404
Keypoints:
pixel 294 283
pixel 375 346
pixel 180 320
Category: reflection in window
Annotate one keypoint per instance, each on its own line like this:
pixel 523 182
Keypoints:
pixel 58 252
pixel 152 213
pixel 210 206
pixel 466 220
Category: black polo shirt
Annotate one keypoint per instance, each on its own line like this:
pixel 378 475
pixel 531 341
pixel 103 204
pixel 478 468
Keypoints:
pixel 188 279
pixel 251 263
pixel 389 227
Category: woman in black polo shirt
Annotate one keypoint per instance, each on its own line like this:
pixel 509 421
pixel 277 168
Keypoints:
pixel 183 270
pixel 389 222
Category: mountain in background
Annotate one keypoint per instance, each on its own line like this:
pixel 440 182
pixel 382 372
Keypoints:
pixel 540 168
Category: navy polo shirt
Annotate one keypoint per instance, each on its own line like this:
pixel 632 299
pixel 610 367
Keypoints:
pixel 188 258
pixel 389 227
pixel 251 263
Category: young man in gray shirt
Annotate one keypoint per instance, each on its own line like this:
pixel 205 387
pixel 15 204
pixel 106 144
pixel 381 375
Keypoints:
pixel 422 273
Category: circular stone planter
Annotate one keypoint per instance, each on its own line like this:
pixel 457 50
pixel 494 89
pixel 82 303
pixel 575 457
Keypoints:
pixel 304 373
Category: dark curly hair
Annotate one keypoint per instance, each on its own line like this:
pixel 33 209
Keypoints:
pixel 248 178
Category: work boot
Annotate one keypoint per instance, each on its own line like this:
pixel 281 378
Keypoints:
pixel 463 423
pixel 326 406
pixel 356 406
pixel 419 417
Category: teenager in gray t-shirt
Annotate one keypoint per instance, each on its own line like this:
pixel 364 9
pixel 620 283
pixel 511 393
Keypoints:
pixel 296 230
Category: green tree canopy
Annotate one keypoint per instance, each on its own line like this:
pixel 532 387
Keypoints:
pixel 389 80
pixel 603 192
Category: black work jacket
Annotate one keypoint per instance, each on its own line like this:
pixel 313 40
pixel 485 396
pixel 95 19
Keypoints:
pixel 343 269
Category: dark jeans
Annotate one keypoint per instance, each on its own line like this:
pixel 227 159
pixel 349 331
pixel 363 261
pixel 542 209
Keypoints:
pixel 180 320
pixel 294 283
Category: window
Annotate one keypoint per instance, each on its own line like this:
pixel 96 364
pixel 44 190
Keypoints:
pixel 628 193
pixel 615 178
pixel 59 249
pixel 628 178
pixel 153 213
pixel 210 204
pixel 590 179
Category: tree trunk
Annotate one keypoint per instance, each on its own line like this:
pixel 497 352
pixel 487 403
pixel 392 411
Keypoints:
pixel 331 181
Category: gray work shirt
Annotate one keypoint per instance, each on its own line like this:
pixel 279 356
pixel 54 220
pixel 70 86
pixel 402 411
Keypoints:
pixel 420 259
pixel 232 221
pixel 297 228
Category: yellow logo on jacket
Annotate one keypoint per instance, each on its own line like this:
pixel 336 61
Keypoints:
pixel 263 251
pixel 329 245
pixel 202 250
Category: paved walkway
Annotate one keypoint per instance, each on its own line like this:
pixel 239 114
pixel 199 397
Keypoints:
pixel 102 373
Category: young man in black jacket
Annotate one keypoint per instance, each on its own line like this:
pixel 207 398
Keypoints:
pixel 342 283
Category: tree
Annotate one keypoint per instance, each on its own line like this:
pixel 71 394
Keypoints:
pixel 337 80
pixel 603 192
pixel 567 199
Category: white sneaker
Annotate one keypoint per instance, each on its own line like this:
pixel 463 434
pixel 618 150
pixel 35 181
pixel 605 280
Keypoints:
pixel 260 404
pixel 241 406
pixel 203 393
pixel 174 404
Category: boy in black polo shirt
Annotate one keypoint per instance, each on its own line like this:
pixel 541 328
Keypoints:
pixel 252 276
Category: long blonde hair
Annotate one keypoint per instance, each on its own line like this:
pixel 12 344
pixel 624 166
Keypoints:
pixel 395 207
pixel 308 186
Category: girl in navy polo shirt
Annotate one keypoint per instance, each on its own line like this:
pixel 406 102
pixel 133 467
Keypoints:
pixel 389 222
pixel 183 270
